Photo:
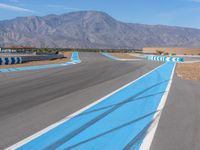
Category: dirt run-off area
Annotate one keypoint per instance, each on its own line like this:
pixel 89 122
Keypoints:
pixel 123 55
pixel 43 62
pixel 188 71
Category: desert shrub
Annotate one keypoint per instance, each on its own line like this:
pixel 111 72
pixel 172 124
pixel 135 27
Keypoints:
pixel 159 52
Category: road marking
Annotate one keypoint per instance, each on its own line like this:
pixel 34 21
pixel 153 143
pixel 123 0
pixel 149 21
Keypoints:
pixel 116 58
pixel 157 71
pixel 110 56
pixel 146 144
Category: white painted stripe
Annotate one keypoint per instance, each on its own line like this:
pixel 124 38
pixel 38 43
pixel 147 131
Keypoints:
pixel 152 129
pixel 173 59
pixel 168 59
pixel 130 59
pixel 120 59
pixel 34 136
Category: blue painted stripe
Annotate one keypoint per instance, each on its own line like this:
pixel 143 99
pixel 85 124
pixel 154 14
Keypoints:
pixel 118 122
pixel 75 59
pixel 110 56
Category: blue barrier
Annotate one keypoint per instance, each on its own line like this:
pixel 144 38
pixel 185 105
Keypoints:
pixel 1 61
pixel 164 58
pixel 10 60
pixel 19 60
pixel 6 61
pixel 74 60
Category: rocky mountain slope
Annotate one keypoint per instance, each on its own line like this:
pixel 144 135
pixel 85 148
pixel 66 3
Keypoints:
pixel 91 29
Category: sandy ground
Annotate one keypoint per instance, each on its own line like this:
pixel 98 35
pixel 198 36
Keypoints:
pixel 188 71
pixel 44 62
pixel 123 55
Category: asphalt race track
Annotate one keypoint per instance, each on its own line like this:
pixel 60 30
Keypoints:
pixel 179 126
pixel 33 100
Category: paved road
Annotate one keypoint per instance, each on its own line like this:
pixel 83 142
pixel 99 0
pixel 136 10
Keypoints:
pixel 179 126
pixel 32 100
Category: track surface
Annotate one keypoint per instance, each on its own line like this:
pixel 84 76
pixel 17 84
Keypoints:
pixel 179 126
pixel 32 100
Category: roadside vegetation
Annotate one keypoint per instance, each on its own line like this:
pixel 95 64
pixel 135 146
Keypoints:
pixel 159 52
pixel 53 50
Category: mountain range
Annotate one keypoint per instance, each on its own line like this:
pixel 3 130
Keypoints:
pixel 92 29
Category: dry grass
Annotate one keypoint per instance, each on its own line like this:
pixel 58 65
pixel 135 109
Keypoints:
pixel 189 71
pixel 43 62
pixel 123 55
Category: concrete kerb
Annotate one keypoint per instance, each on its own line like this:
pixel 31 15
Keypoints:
pixel 165 58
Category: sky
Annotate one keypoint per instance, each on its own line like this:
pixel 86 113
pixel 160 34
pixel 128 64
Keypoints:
pixel 184 13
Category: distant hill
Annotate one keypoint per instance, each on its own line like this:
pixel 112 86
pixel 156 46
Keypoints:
pixel 92 29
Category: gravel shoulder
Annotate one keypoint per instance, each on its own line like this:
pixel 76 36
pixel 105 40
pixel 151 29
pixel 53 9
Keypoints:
pixel 188 71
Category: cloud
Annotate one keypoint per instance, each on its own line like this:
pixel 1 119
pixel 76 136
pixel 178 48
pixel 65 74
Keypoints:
pixel 15 8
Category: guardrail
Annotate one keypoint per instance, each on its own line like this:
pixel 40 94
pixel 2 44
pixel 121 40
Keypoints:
pixel 164 58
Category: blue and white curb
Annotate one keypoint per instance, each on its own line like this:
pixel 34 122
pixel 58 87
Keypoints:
pixel 75 57
pixel 74 60
pixel 120 120
pixel 163 58
pixel 10 60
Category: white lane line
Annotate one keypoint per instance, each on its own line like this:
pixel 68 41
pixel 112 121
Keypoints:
pixel 130 59
pixel 146 144
pixel 34 136
pixel 117 58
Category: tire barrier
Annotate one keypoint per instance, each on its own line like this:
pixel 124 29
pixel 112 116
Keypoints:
pixel 10 60
pixel 74 60
pixel 18 60
pixel 164 58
